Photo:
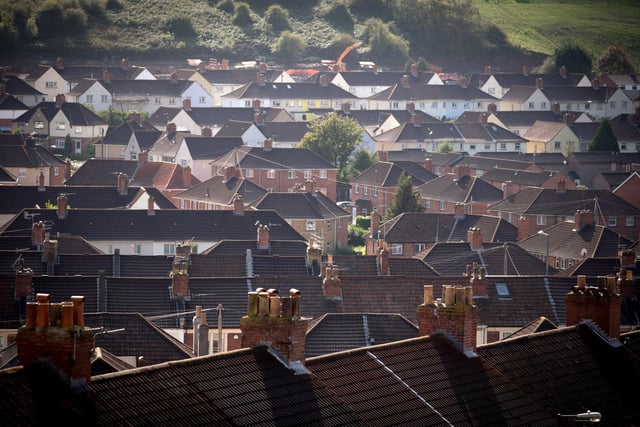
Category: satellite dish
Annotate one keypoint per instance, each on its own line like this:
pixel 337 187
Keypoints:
pixel 583 252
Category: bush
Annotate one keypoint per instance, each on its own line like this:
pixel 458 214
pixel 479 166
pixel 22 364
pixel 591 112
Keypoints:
pixel 181 27
pixel 289 47
pixel 243 15
pixel 338 14
pixel 277 18
pixel 227 6
pixel 356 235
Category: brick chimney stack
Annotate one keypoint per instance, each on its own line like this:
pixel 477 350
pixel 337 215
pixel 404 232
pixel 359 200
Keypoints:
pixel 562 186
pixel 62 205
pixel 106 76
pixel 331 283
pixel 539 84
pixel 124 64
pixel 404 81
pixel 462 170
pixel 41 186
pixel 268 144
pixel 60 99
pixel 56 333
pixel 67 169
pixel 230 172
pixel 428 164
pixel 460 210
pixel 179 280
pixel 411 107
pixel 238 204
pixel 563 72
pixel 123 184
pixel 206 131
pixel 507 189
pixel 382 261
pixel 151 204
pixel 24 280
pixel 263 237
pixel 454 314
pixel 474 238
pixel 524 227
pixel 374 225
pixel 583 218
pixel 478 280
pixel 600 303
pixel 186 104
pixel 255 104
pixel 346 108
pixel 186 176
pixel 37 234
pixel 275 321
pixel 258 119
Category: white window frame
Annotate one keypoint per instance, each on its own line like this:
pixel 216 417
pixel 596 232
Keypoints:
pixel 541 220
pixel 271 174
pixel 248 173
pixel 310 225
pixel 291 174
pixel 629 221
pixel 396 249
pixel 169 249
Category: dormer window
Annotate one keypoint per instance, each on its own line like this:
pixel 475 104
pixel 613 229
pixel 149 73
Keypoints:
pixel 503 291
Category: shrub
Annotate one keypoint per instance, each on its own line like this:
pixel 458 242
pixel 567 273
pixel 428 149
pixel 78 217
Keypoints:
pixel 227 6
pixel 277 18
pixel 243 14
pixel 289 47
pixel 338 14
pixel 181 27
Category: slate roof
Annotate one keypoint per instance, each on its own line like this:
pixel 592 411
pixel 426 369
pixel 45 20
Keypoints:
pixel 15 86
pixel 9 102
pixel 547 161
pixel 284 91
pixel 284 131
pixel 436 92
pixel 527 79
pixel 164 225
pixel 386 174
pixel 481 163
pixel 22 156
pixel 434 227
pixel 16 198
pixel 274 158
pixel 423 133
pixel 527 118
pixel 464 189
pixel 220 190
pixel 426 381
pixel 540 325
pixel 162 116
pixel 543 201
pixel 77 114
pixel 301 205
pixel 162 175
pixel 367 265
pixel 174 88
pixel 234 128
pixel 121 134
pixel 375 118
pixel 237 76
pixel 383 78
pixel 333 332
pixel 102 172
pixel 518 177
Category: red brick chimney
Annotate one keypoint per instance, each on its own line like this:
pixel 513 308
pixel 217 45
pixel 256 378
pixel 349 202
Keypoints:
pixel 324 80
pixel 238 204
pixel 123 184
pixel 583 218
pixel 255 104
pixel 539 84
pixel 24 280
pixel 331 283
pixel 263 237
pixel 179 280
pixel 414 120
pixel 482 118
pixel 487 69
pixel 478 280
pixel 59 63
pixel 258 119
pixel 507 189
pixel 627 258
pixel 601 303
pixel 382 261
pixel 524 227
pixel 143 156
pixel 474 238
pixel 562 186
pixel 462 170
pixel 555 107
pixel 454 314
pixel 56 333
pixel 171 128
pixel 186 104
pixel 60 99
pixel 404 81
pixel 207 131
pixel 563 72
pixel 186 176
pixel 62 205
pixel 492 108
pixel 383 156
pixel 151 205
pixel 37 233
pixel 230 172
pixel 261 79
pixel 460 210
pixel 268 144
pixel 309 185
pixel 105 76
pixel 374 225
pixel 275 321
pixel 124 64
pixel 414 70
pixel 67 169
pixel 411 107
pixel 173 77
pixel 346 107
pixel 428 164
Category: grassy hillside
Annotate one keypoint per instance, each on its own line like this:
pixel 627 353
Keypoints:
pixel 143 29
pixel 543 25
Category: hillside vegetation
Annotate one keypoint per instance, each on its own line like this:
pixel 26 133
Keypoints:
pixel 449 34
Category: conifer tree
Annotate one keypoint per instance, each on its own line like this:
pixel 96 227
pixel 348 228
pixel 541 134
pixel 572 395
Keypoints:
pixel 406 198
pixel 604 139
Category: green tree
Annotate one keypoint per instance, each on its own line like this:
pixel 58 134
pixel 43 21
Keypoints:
pixel 386 47
pixel 277 18
pixel 406 199
pixel 445 148
pixel 614 60
pixel 333 137
pixel 361 160
pixel 604 139
pixel 181 27
pixel 289 47
pixel 243 14
pixel 573 58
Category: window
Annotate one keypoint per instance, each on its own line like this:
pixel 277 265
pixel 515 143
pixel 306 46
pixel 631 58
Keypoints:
pixel 629 221
pixel 454 105
pixel 541 220
pixel 503 146
pixel 51 85
pixel 487 147
pixel 427 204
pixel 612 104
pixel 307 174
pixel 22 173
pixel 611 221
pixel 169 248
pixel 395 105
pixel 157 101
pixel 339 221
pixel 134 156
pixel 184 163
pixel 587 106
pixel 516 146
pixel 623 146
pixel 365 190
pixel 270 190
pixel 418 247
pixel 172 101
pixel 78 129
pixel 502 290
pixel 89 99
pixel 291 174
pixel 202 100
pixel 442 205
pixel 60 143
pixel 323 173
pixel 328 225
pixel 466 106
pixel 479 105
pixel 472 147
pixel 396 249
pixel 312 104
pixel 374 191
pixel 56 171
pixel 356 189
pixel 438 170
pixel 271 174
pixel 623 105
pixel 543 105
pixel 556 145
pixel 434 104
pixel 136 249
pixel 104 99
pixel 38 124
pixel 61 126
pixel 532 105
pixel 311 226
pixel 249 173
pixel 324 103
pixel 276 103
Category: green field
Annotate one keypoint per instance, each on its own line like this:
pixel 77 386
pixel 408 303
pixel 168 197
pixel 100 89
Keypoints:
pixel 544 25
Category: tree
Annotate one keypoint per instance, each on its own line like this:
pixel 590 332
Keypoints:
pixel 333 137
pixel 386 47
pixel 604 139
pixel 574 59
pixel 361 160
pixel 243 14
pixel 614 60
pixel 277 18
pixel 289 46
pixel 406 199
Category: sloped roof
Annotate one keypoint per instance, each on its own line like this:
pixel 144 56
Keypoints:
pixel 301 205
pixel 121 134
pixel 15 86
pixel 77 114
pixel 169 87
pixel 519 177
pixel 23 156
pixel 218 116
pixel 163 175
pixel 428 132
pixel 9 102
pixel 334 332
pixel 528 79
pixel 464 189
pixel 439 92
pixel 218 189
pixel 386 174
pixel 102 172
pixel 274 158
pixel 272 90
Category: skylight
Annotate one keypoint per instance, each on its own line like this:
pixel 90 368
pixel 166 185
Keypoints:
pixel 503 290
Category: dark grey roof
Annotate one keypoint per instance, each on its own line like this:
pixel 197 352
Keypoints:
pixel 77 114
pixel 21 156
pixel 304 91
pixel 386 174
pixel 102 172
pixel 301 205
pixel 220 190
pixel 464 189
pixel 15 86
pixel 439 92
pixel 274 158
